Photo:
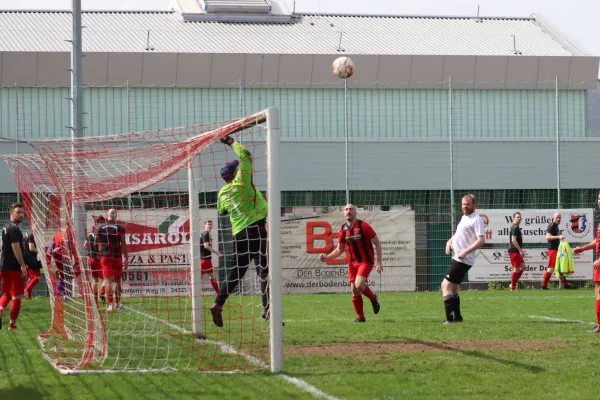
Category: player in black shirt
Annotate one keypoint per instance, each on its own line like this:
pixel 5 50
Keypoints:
pixel 111 245
pixel 206 251
pixel 554 237
pixel 93 258
pixel 34 265
pixel 515 250
pixel 13 269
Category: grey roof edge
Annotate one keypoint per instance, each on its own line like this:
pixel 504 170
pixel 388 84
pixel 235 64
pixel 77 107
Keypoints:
pixel 559 36
pixel 296 14
pixel 424 16
pixel 68 11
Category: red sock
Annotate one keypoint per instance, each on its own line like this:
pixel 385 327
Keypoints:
pixel 31 284
pixel 357 302
pixel 598 311
pixel 513 280
pixel 103 290
pixel 110 298
pixel 14 309
pixel 4 300
pixel 215 285
pixel 520 274
pixel 367 292
pixel 547 277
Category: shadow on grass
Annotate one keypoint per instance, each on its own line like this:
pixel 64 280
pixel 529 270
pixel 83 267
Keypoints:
pixel 478 354
pixel 21 392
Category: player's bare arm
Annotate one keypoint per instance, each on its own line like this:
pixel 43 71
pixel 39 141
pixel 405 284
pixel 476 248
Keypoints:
pixel 19 256
pixel 32 248
pixel 449 246
pixel 552 237
pixel 124 251
pixel 477 244
pixel 208 247
pixel 515 243
pixel 581 249
pixel 378 254
pixel 339 250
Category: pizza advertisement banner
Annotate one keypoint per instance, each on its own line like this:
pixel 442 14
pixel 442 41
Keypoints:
pixel 158 246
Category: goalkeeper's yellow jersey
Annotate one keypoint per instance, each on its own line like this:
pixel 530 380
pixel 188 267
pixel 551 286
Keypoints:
pixel 240 199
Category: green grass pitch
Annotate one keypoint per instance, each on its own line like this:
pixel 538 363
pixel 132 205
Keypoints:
pixel 519 345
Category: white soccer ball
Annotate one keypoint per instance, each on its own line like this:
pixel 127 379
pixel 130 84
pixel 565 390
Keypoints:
pixel 343 67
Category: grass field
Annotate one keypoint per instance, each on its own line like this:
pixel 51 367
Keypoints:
pixel 520 345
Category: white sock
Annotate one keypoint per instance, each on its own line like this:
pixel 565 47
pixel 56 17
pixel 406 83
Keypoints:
pixel 12 321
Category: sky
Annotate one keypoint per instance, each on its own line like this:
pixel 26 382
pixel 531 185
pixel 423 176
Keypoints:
pixel 578 20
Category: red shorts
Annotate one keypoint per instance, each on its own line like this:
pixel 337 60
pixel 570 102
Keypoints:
pixel 552 258
pixel 33 273
pixel 206 266
pixel 12 283
pixel 516 259
pixel 95 267
pixel 358 269
pixel 112 267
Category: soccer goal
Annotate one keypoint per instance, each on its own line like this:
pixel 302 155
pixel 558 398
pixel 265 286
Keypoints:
pixel 163 186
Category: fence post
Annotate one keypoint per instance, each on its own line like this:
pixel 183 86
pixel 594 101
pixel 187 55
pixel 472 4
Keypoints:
pixel 346 136
pixel 17 129
pixel 556 121
pixel 451 154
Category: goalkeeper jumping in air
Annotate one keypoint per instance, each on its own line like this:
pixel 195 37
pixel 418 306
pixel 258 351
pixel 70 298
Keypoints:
pixel 247 210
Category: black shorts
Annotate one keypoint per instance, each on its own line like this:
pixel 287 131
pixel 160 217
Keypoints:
pixel 457 271
pixel 251 244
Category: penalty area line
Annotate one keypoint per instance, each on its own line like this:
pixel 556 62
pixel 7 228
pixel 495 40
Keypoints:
pixel 574 321
pixel 231 350
pixel 307 387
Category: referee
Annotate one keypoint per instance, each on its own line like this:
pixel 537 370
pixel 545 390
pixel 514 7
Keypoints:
pixel 469 236
pixel 247 210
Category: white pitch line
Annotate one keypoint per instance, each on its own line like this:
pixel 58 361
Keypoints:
pixel 575 321
pixel 231 350
pixel 308 388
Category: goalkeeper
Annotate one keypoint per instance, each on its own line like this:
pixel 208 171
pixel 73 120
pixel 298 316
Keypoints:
pixel 247 210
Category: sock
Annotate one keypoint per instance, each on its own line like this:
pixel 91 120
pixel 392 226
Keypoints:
pixel 357 302
pixel 563 279
pixel 513 280
pixel 449 307
pixel 457 314
pixel 14 309
pixel 31 284
pixel 103 290
pixel 520 274
pixel 547 277
pixel 4 300
pixel 110 298
pixel 215 286
pixel 598 311
pixel 367 292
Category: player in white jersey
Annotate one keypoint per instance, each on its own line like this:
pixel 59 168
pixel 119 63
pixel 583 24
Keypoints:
pixel 469 236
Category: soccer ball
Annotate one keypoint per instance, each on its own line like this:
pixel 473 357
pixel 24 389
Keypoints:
pixel 343 67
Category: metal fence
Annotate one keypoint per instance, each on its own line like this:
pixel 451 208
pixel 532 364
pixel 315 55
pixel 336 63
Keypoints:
pixel 375 147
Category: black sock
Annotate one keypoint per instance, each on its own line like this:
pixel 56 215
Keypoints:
pixel 457 314
pixel 449 306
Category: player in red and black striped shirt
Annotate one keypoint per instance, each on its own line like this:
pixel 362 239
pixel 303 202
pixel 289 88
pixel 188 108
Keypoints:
pixel 360 237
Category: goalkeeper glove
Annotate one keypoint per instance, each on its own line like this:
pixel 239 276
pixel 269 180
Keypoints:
pixel 227 140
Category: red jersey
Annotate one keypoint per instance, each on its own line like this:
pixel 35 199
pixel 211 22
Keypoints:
pixel 598 243
pixel 358 238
